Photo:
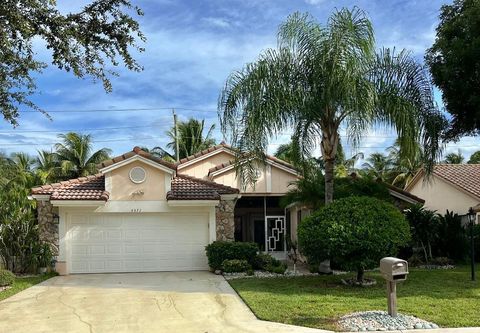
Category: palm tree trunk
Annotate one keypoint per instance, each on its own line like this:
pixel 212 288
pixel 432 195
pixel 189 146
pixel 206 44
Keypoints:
pixel 329 174
pixel 329 145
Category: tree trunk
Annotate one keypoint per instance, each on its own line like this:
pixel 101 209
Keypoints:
pixel 329 145
pixel 329 174
pixel 360 273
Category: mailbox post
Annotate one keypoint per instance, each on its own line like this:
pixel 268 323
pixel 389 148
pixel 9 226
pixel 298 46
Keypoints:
pixel 393 270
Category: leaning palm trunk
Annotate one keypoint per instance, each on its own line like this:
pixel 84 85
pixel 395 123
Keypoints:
pixel 319 78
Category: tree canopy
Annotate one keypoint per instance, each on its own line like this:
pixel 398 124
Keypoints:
pixel 191 137
pixel 321 77
pixel 84 43
pixel 454 61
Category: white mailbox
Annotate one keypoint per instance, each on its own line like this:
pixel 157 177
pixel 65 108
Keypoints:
pixel 394 269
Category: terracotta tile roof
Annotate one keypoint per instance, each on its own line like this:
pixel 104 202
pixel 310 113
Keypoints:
pixel 465 176
pixel 190 188
pixel 405 193
pixel 219 167
pixel 84 188
pixel 223 165
pixel 136 151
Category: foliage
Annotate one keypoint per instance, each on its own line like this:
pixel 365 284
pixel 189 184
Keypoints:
pixel 6 278
pixel 454 63
pixel 355 233
pixel 379 166
pixel 219 251
pixel 75 155
pixel 190 137
pixel 310 191
pixel 423 225
pixel 160 153
pixel 474 158
pixel 235 265
pixel 277 268
pixel 84 43
pixel 451 237
pixel 405 167
pixel 18 229
pixel 324 77
pixel 262 260
pixel 454 158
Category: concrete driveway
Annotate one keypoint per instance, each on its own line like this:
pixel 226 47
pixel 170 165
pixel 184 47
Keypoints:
pixel 136 302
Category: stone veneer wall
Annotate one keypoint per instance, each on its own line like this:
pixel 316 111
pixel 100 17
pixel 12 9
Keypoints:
pixel 224 214
pixel 47 228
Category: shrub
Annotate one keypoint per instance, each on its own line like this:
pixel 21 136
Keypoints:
pixel 262 260
pixel 278 269
pixel 441 261
pixel 354 232
pixel 219 251
pixel 235 265
pixel 6 278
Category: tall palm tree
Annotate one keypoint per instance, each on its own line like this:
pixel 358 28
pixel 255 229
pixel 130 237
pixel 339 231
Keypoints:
pixel 190 137
pixel 379 166
pixel 75 155
pixel 160 153
pixel 319 78
pixel 454 158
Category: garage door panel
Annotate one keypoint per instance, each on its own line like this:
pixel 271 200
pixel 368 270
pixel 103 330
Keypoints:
pixel 138 243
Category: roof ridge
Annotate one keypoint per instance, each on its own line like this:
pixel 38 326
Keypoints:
pixel 78 180
pixel 136 151
pixel 208 182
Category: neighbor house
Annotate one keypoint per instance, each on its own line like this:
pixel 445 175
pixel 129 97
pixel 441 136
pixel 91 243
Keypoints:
pixel 142 214
pixel 452 187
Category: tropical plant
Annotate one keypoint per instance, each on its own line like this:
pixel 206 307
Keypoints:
pixel 160 153
pixel 379 166
pixel 75 155
pixel 424 227
pixel 451 238
pixel 474 158
pixel 454 158
pixel 404 167
pixel 82 43
pixel 18 229
pixel 47 167
pixel 190 137
pixel 455 66
pixel 310 190
pixel 319 78
pixel 354 233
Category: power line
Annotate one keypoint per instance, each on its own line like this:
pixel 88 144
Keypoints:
pixel 78 130
pixel 118 110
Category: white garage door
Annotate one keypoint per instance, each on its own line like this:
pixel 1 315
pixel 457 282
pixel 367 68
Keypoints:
pixel 137 242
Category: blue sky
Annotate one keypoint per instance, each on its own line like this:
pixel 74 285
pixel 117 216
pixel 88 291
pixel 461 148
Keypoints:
pixel 191 48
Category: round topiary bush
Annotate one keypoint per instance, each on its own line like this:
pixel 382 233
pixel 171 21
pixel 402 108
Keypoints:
pixel 354 232
pixel 6 278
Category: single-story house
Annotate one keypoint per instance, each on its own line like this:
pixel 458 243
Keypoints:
pixel 452 187
pixel 142 214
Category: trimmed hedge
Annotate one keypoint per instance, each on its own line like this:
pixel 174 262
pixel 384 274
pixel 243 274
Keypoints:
pixel 6 278
pixel 355 233
pixel 219 251
pixel 236 265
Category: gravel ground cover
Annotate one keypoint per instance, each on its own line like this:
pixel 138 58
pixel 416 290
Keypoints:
pixel 381 321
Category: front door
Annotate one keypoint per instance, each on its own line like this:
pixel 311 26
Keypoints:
pixel 275 233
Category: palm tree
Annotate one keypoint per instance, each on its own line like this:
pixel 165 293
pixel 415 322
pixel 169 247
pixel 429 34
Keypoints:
pixel 319 78
pixel 75 155
pixel 405 167
pixel 159 152
pixel 190 137
pixel 454 158
pixel 379 166
pixel 47 167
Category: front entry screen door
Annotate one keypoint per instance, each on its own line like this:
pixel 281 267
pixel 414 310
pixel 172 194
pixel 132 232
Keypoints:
pixel 275 233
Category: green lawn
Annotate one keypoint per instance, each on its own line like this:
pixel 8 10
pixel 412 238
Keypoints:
pixel 446 297
pixel 22 283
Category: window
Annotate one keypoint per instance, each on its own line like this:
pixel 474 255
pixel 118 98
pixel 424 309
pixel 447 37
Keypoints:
pixel 138 175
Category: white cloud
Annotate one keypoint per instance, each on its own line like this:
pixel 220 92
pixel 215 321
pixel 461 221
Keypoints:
pixel 314 2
